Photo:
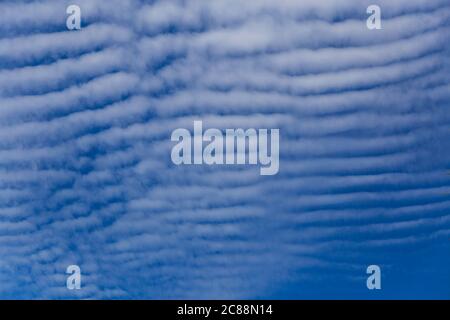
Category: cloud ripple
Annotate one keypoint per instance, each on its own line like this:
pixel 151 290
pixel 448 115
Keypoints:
pixel 85 171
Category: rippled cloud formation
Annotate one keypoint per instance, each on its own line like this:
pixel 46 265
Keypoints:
pixel 85 171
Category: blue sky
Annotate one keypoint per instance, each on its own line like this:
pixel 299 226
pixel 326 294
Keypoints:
pixel 85 170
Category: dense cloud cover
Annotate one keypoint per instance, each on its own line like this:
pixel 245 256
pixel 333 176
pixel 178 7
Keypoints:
pixel 85 170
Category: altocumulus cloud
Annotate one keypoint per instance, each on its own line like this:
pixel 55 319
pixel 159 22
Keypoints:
pixel 85 170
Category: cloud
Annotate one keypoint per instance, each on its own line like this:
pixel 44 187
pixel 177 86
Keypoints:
pixel 85 170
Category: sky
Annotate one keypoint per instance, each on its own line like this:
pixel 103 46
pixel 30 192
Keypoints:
pixel 86 176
